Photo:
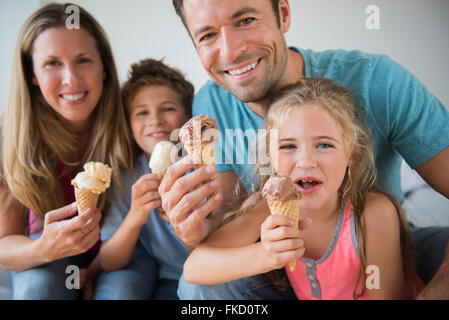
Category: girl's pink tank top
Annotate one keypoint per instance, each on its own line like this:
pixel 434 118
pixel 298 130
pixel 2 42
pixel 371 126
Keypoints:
pixel 334 275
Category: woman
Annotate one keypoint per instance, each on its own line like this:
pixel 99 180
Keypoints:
pixel 64 109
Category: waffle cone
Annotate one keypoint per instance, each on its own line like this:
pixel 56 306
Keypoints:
pixel 85 199
pixel 207 155
pixel 290 209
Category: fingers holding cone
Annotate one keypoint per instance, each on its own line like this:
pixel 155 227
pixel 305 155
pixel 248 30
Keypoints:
pixel 284 200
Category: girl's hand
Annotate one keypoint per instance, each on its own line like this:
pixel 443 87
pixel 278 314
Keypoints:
pixel 282 242
pixel 66 234
pixel 145 197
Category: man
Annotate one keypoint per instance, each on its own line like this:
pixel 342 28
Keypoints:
pixel 241 45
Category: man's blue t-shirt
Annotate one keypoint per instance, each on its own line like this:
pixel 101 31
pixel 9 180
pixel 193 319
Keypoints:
pixel 156 236
pixel 405 119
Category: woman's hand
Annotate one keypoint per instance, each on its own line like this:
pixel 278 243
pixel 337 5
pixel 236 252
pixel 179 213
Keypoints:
pixel 88 278
pixel 145 197
pixel 66 235
pixel 281 241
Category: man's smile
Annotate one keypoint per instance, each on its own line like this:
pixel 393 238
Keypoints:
pixel 245 69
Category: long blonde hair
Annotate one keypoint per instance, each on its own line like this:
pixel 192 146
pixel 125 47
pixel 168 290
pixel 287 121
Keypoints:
pixel 32 137
pixel 360 177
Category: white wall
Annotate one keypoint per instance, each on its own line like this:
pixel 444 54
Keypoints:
pixel 412 32
pixel 12 16
pixel 415 33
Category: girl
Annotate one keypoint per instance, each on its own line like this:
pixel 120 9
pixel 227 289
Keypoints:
pixel 158 100
pixel 324 147
pixel 64 109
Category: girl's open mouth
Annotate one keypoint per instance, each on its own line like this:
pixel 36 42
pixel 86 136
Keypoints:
pixel 307 185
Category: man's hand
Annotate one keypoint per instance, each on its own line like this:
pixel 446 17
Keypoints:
pixel 183 199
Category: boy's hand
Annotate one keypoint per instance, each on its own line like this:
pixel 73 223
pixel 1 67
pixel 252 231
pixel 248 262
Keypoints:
pixel 145 197
pixel 282 242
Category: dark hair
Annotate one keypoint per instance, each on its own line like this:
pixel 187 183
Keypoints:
pixel 178 4
pixel 150 72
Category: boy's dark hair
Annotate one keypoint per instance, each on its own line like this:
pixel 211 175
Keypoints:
pixel 151 72
pixel 179 8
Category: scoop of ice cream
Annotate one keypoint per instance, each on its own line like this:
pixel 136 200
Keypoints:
pixel 280 189
pixel 161 156
pixel 95 177
pixel 99 171
pixel 193 130
pixel 84 181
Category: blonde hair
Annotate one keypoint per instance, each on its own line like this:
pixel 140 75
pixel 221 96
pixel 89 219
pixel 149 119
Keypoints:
pixel 33 138
pixel 360 177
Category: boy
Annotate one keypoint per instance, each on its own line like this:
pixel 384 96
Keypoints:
pixel 158 100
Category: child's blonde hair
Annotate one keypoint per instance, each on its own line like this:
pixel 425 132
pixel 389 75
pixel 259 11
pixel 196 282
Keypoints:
pixel 360 177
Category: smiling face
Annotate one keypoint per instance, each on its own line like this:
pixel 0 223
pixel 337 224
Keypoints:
pixel 155 112
pixel 240 44
pixel 313 152
pixel 68 69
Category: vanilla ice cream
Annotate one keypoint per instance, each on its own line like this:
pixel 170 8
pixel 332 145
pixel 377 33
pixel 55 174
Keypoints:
pixel 161 157
pixel 96 177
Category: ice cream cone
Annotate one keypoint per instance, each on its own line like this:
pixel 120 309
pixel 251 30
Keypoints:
pixel 85 199
pixel 90 183
pixel 290 209
pixel 283 199
pixel 207 155
pixel 199 135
